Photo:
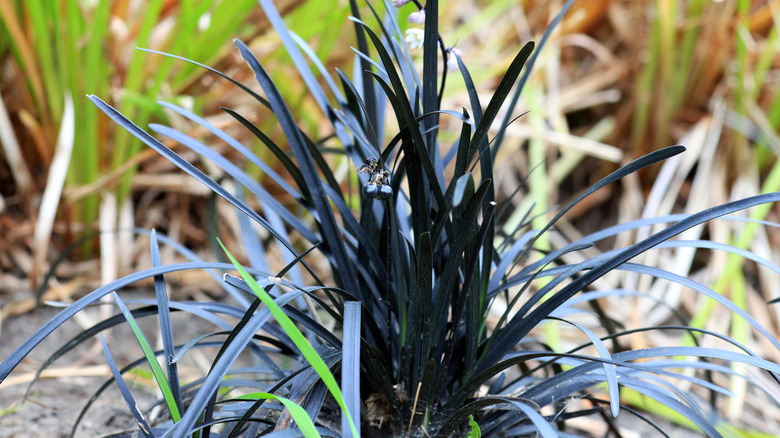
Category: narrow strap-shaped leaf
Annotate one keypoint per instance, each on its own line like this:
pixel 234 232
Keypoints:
pixel 295 314
pixel 350 366
pixel 201 310
pixel 669 400
pixel 292 49
pixel 519 327
pixel 235 144
pixel 687 282
pixel 297 337
pixel 367 147
pixel 126 394
pixel 237 331
pixel 190 169
pixel 319 160
pixel 84 336
pixel 430 101
pixel 255 250
pixel 197 342
pixel 191 256
pixel 476 299
pixel 302 390
pixel 222 365
pixel 280 155
pixel 636 361
pixel 449 274
pixel 380 71
pixel 49 326
pixel 369 96
pixel 357 230
pixel 298 413
pixel 416 162
pixel 609 370
pixel 210 404
pixel 508 258
pixel 249 412
pixel 420 307
pixel 308 77
pixel 223 75
pixel 162 381
pixel 404 111
pixel 331 233
pixel 471 89
pixel 303 45
pixel 241 177
pixel 541 272
pixel 352 92
pixel 479 140
pixel 166 330
pixel 107 384
pixel 470 300
pixel 461 160
pixel 397 45
pixel 639 163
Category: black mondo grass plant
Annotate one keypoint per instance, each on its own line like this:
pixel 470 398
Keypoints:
pixel 416 262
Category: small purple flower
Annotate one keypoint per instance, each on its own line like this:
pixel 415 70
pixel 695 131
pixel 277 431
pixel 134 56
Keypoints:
pixel 399 3
pixel 415 38
pixel 417 17
pixel 452 62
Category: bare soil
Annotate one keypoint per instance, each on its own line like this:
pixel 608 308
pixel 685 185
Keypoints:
pixel 54 403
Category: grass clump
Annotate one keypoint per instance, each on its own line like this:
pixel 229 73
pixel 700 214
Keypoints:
pixel 438 309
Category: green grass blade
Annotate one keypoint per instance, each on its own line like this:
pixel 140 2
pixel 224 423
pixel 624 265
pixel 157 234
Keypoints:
pixel 24 54
pixel 123 142
pixel 96 79
pixel 298 338
pixel 298 413
pixel 159 376
pixel 45 57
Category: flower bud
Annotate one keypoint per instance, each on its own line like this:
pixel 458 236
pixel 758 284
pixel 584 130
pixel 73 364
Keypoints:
pixel 452 62
pixel 417 17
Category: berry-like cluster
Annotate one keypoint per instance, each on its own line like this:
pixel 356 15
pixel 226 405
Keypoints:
pixel 378 185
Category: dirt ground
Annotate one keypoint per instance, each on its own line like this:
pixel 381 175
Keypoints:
pixel 54 403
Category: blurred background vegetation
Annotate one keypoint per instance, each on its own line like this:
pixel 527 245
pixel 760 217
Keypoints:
pixel 618 79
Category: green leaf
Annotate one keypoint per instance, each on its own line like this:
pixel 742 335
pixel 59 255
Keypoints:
pixel 298 413
pixel 159 376
pixel 297 337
